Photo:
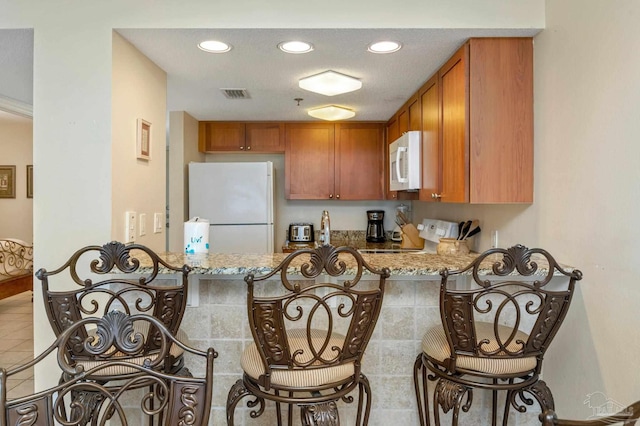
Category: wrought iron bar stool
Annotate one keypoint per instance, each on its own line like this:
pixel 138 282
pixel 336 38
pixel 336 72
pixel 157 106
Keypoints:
pixel 110 278
pixel 310 332
pixel 627 416
pixel 118 346
pixel 494 333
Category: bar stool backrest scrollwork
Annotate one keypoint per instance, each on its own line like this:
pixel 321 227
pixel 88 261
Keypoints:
pixel 101 279
pixel 311 319
pixel 518 296
pixel 333 317
pixel 175 399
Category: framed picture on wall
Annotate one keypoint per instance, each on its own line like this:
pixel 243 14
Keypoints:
pixel 143 140
pixel 30 181
pixel 7 181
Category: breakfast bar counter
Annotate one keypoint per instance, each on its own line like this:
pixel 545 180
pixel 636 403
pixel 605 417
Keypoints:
pixel 400 264
pixel 410 306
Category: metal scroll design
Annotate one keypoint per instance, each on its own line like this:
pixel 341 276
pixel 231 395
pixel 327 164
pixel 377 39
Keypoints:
pixel 539 390
pixel 449 395
pixel 268 325
pixel 15 258
pixel 114 254
pixel 519 259
pixel 188 414
pixel 549 321
pixel 115 329
pixel 459 320
pixel 322 311
pixel 28 415
pixel 364 320
pixel 324 259
pixel 320 414
pixel 114 339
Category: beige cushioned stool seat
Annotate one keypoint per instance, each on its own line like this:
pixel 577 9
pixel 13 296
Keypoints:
pixel 138 327
pixel 435 345
pixel 298 377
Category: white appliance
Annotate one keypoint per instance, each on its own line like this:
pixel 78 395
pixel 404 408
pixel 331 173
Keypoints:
pixel 432 230
pixel 237 199
pixel 404 162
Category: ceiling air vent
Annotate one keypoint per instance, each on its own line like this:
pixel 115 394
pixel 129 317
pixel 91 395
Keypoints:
pixel 235 93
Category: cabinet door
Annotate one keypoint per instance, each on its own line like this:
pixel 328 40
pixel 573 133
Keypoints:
pixel 453 78
pixel 501 129
pixel 221 136
pixel 431 167
pixel 359 167
pixel 309 161
pixel 264 137
pixel 393 133
pixel 415 113
pixel 403 121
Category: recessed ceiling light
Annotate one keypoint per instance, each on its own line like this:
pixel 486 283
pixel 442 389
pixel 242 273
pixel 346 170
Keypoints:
pixel 214 46
pixel 330 83
pixel 332 113
pixel 384 47
pixel 295 47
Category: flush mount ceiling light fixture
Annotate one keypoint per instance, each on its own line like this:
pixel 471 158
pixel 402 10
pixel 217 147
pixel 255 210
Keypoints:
pixel 330 83
pixel 384 47
pixel 332 113
pixel 214 46
pixel 295 47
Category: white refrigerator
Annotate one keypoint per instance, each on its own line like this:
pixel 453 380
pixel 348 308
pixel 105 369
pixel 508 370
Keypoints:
pixel 237 199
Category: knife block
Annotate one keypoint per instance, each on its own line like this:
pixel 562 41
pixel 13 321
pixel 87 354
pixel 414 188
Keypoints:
pixel 411 237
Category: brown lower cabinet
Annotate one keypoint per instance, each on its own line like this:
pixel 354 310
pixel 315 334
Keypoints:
pixel 341 161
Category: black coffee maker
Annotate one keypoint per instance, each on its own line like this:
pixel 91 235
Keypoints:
pixel 375 227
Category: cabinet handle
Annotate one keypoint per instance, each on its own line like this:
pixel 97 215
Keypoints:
pixel 338 196
pixel 395 196
pixel 242 147
pixel 436 196
pixel 248 148
pixel 330 195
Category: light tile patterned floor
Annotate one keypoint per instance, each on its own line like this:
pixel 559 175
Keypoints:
pixel 16 341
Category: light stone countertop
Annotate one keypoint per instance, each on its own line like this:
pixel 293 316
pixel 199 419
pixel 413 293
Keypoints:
pixel 400 264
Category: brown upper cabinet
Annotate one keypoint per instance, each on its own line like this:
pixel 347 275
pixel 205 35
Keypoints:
pixel 341 161
pixel 221 136
pixel 476 118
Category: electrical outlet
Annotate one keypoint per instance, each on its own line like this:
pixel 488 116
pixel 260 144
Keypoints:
pixel 130 227
pixel 143 224
pixel 157 222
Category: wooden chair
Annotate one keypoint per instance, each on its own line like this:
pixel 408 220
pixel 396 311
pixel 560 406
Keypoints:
pixel 310 331
pixel 494 333
pixel 626 417
pixel 118 347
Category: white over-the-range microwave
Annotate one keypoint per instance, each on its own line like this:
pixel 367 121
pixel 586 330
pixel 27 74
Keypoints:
pixel 404 162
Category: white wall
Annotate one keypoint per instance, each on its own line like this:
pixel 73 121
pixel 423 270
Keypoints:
pixel 139 91
pixel 16 149
pixel 587 195
pixel 183 149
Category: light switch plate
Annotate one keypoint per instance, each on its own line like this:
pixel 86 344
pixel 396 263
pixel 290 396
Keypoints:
pixel 157 222
pixel 143 224
pixel 130 227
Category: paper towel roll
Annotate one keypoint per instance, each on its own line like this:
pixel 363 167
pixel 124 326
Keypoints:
pixel 196 236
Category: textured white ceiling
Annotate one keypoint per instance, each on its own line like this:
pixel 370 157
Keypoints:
pixel 269 75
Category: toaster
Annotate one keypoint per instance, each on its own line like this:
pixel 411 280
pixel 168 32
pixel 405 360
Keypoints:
pixel 301 233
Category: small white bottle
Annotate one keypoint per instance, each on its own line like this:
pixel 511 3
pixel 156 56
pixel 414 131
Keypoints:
pixel 325 228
